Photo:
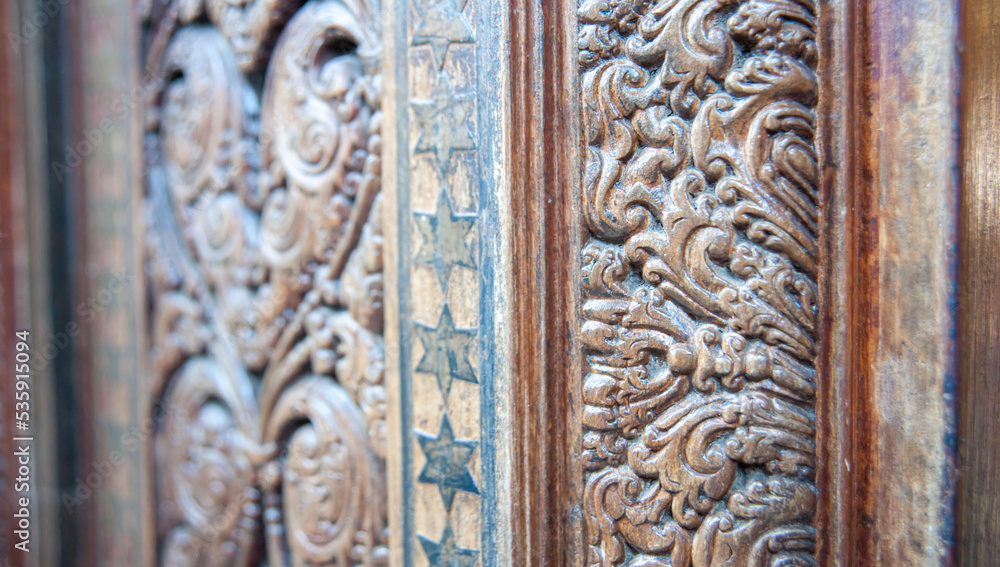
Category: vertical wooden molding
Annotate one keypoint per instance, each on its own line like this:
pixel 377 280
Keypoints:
pixel 13 266
pixel 833 406
pixel 545 153
pixel 395 187
pixel 103 158
pixel 499 290
pixel 902 195
pixel 25 240
pixel 978 507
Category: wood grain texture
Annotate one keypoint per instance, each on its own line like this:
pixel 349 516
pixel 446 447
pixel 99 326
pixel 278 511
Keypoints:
pixel 895 355
pixel 978 506
pixel 102 158
pixel 545 180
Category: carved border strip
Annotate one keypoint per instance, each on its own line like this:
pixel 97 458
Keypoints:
pixel 443 290
pixel 700 281
pixel 444 173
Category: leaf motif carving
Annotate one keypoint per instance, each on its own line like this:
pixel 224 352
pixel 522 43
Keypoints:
pixel 699 281
pixel 264 251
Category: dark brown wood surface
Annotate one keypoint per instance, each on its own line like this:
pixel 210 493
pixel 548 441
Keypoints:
pixel 545 180
pixel 889 151
pixel 104 129
pixel 889 146
pixel 978 507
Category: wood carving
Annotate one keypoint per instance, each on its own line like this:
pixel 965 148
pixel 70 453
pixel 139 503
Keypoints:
pixel 264 255
pixel 700 281
pixel 441 302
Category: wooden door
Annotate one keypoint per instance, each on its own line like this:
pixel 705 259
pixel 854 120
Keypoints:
pixel 481 282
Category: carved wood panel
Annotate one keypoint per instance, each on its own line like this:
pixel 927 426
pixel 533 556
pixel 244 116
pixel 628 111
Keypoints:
pixel 264 262
pixel 700 281
pixel 666 282
pixel 694 309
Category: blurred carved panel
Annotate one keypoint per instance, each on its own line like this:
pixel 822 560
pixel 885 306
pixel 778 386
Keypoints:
pixel 700 281
pixel 264 261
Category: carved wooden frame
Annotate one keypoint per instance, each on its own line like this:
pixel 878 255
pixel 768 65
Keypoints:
pixel 875 504
pixel 702 179
pixel 873 164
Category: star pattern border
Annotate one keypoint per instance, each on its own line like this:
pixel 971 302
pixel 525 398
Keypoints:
pixel 445 125
pixel 446 552
pixel 447 462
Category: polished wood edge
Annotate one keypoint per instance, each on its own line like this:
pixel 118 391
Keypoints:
pixel 888 363
pixel 110 173
pixel 547 238
pixel 85 518
pixel 978 492
pixel 499 418
pixel 831 363
pixel 394 157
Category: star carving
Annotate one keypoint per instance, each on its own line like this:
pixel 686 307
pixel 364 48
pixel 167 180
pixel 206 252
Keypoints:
pixel 446 351
pixel 442 121
pixel 447 463
pixel 447 553
pixel 441 24
pixel 444 235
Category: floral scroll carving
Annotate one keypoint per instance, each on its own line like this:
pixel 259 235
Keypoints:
pixel 699 275
pixel 264 257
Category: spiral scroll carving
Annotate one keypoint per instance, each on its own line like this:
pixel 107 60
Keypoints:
pixel 700 281
pixel 264 256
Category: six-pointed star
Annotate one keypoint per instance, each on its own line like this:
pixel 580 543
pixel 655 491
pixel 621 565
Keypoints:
pixel 444 235
pixel 446 351
pixel 446 462
pixel 441 23
pixel 447 553
pixel 443 129
pixel 442 120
